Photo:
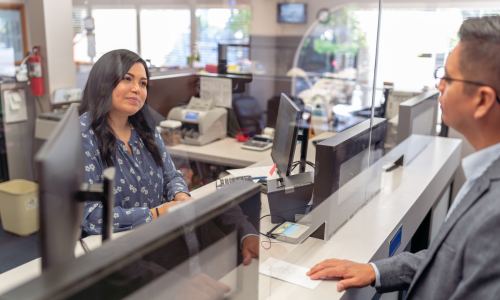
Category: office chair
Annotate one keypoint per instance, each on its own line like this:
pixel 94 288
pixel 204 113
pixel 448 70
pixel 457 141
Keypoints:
pixel 249 114
pixel 157 118
pixel 273 105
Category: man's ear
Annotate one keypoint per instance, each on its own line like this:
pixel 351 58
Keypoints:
pixel 486 99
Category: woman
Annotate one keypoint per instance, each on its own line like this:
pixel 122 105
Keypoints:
pixel 117 131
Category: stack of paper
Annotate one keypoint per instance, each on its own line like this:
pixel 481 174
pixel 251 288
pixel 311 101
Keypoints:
pixel 288 272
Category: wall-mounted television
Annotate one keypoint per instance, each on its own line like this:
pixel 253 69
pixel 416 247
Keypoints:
pixel 292 13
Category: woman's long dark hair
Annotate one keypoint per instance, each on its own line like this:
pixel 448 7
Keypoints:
pixel 97 96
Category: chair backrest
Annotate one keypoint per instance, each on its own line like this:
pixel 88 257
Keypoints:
pixel 273 105
pixel 157 118
pixel 248 113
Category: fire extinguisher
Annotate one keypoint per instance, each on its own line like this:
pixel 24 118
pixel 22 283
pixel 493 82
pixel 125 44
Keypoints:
pixel 35 72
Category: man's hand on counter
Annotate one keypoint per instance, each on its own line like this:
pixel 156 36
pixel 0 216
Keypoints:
pixel 250 249
pixel 354 275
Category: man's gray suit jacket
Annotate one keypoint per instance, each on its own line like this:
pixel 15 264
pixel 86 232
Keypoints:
pixel 463 260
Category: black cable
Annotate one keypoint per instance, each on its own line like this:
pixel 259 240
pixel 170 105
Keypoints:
pixel 307 162
pixel 269 232
pixel 84 246
pixel 296 163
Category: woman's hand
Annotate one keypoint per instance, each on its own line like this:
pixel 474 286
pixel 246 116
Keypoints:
pixel 162 210
pixel 182 197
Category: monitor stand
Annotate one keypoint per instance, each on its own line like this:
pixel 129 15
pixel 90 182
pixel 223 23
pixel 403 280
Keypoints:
pixel 304 138
pixel 289 196
pixel 102 192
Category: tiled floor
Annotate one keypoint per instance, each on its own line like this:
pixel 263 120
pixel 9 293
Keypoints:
pixel 16 250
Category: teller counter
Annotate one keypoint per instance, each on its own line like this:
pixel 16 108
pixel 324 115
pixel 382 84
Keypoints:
pixel 407 196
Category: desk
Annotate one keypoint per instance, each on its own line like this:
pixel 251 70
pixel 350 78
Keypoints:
pixel 406 197
pixel 226 152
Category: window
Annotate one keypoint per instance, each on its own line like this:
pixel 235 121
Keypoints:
pixel 80 48
pixel 115 29
pixel 166 36
pixel 13 30
pixel 226 26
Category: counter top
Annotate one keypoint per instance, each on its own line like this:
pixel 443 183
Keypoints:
pixel 406 197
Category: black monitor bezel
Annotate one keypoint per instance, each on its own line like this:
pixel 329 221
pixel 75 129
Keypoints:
pixel 293 142
pixel 350 142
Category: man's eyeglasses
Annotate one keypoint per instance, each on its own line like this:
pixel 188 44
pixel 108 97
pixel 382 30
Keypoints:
pixel 440 74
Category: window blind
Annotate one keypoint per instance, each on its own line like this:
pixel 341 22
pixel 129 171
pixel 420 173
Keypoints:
pixel 80 48
pixel 79 16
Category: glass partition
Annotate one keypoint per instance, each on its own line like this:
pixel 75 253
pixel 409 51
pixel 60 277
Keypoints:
pixel 333 73
pixel 213 82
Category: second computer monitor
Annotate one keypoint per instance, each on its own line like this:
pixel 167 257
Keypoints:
pixel 285 135
pixel 60 167
pixel 418 115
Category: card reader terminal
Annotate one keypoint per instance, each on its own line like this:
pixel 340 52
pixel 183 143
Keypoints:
pixel 290 232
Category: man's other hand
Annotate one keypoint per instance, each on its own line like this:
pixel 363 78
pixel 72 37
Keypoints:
pixel 354 275
pixel 250 249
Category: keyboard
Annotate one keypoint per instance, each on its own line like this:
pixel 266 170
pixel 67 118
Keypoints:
pixel 227 181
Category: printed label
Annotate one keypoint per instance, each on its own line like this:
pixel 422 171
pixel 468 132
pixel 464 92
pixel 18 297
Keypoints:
pixel 31 203
pixel 35 70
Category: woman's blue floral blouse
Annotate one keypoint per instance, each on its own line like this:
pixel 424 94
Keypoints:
pixel 139 183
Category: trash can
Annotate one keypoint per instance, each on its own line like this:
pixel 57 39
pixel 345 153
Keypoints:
pixel 19 206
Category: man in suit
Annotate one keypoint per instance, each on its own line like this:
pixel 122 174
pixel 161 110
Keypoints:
pixel 463 261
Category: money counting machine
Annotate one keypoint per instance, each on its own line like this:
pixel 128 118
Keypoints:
pixel 202 122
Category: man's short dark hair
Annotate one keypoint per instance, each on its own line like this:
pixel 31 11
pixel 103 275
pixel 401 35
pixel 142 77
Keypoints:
pixel 480 52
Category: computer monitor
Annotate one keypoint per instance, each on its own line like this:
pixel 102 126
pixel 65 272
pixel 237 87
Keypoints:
pixel 348 172
pixel 164 259
pixel 60 170
pixel 292 13
pixel 285 135
pixel 418 115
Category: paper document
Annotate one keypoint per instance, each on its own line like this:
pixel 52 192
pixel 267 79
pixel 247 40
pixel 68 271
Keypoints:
pixel 217 89
pixel 254 172
pixel 288 272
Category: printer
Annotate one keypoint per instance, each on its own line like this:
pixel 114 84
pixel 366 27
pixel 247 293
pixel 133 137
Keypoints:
pixel 202 122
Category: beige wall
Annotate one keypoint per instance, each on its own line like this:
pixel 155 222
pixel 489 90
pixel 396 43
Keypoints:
pixel 51 27
pixel 59 39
